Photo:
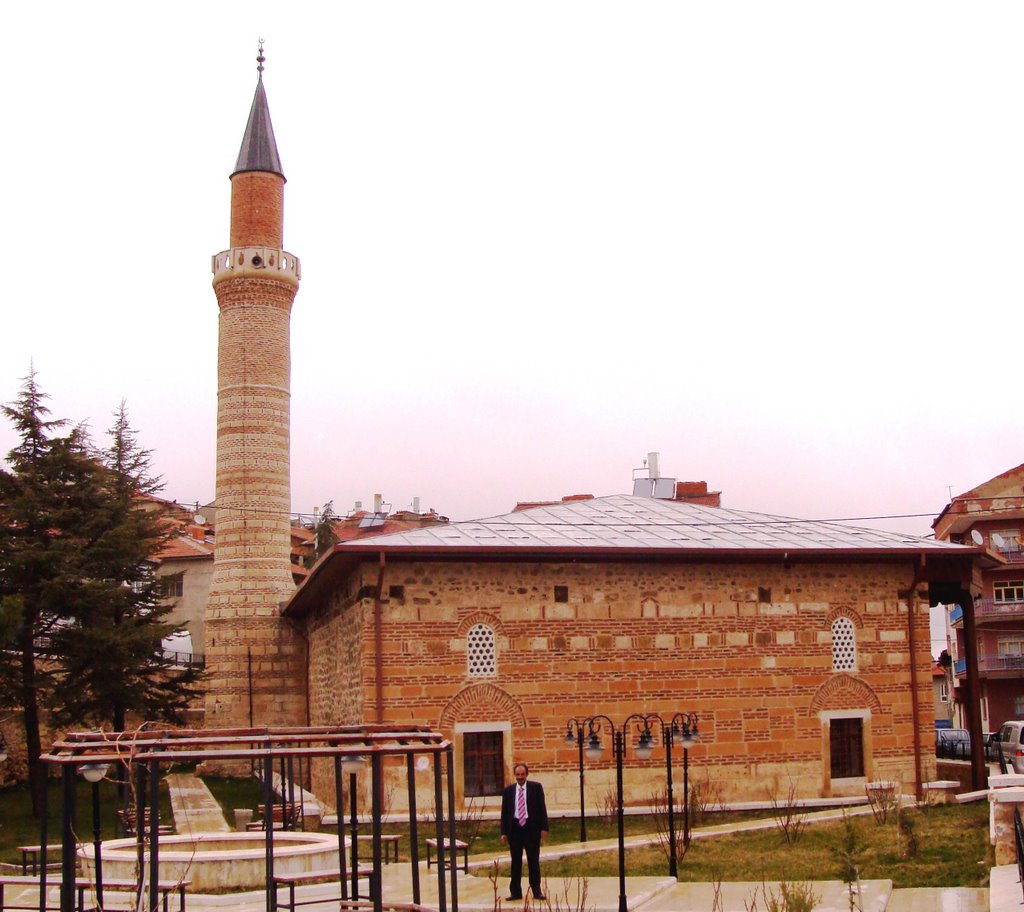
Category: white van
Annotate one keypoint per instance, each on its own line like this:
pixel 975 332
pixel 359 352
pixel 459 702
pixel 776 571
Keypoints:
pixel 1011 737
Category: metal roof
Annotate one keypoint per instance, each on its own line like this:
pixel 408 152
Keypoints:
pixel 259 148
pixel 644 523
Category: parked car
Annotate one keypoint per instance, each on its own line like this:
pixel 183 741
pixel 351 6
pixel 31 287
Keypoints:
pixel 953 743
pixel 1011 736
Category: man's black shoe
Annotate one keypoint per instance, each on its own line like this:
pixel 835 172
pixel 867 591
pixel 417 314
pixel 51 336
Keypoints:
pixel 539 896
pixel 513 898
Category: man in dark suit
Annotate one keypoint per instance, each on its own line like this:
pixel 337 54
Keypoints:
pixel 524 825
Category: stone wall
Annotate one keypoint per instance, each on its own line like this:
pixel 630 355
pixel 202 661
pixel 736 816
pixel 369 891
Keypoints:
pixel 748 646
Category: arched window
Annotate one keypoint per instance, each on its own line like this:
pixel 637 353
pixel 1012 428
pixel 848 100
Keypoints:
pixel 844 645
pixel 481 660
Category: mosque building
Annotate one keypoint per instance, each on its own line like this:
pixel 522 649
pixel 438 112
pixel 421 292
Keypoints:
pixel 802 647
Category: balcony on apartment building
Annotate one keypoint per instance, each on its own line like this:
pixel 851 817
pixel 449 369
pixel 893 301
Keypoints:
pixel 1008 547
pixel 988 610
pixel 993 665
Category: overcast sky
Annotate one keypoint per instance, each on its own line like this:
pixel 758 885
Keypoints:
pixel 780 242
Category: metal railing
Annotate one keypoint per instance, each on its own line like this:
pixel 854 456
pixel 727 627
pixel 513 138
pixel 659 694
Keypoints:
pixel 950 749
pixel 986 608
pixel 992 662
pixel 184 659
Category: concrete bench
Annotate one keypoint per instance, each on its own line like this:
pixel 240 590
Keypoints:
pixel 460 846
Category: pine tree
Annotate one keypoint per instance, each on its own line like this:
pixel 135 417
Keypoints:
pixel 111 654
pixel 50 500
pixel 326 538
pixel 81 607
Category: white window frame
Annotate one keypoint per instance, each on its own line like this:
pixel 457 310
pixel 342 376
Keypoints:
pixel 1004 591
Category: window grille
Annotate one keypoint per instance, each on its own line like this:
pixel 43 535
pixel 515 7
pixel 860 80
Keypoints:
pixel 844 645
pixel 846 747
pixel 483 763
pixel 481 661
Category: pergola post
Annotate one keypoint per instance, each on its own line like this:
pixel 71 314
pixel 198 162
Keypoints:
pixel 268 827
pixel 154 835
pixel 442 905
pixel 340 813
pixel 377 788
pixel 449 757
pixel 43 837
pixel 67 838
pixel 414 847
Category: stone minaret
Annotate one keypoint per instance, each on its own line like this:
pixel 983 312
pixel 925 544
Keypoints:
pixel 253 662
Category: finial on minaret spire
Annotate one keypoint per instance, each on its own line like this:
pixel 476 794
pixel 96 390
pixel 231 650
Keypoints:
pixel 260 60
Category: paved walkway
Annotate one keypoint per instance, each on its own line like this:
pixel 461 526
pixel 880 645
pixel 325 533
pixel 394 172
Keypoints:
pixel 196 810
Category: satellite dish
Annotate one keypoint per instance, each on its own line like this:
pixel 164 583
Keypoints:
pixel 999 541
pixel 199 519
pixel 422 764
pixel 976 537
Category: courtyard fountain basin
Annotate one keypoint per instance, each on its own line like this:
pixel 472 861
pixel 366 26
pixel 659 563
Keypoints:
pixel 220 861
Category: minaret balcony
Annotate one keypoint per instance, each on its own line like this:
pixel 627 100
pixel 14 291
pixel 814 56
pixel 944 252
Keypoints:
pixel 257 263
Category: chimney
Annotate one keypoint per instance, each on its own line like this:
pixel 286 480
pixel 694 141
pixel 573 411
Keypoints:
pixel 696 492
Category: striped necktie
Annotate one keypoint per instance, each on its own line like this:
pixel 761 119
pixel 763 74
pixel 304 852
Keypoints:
pixel 521 806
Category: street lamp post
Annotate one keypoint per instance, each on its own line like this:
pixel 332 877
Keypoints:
pixel 644 749
pixel 94 773
pixel 667 736
pixel 352 764
pixel 684 728
pixel 574 733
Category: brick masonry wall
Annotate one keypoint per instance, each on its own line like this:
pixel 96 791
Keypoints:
pixel 746 645
pixel 249 652
pixel 257 210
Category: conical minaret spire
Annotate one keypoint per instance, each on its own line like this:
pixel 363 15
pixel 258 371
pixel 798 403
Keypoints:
pixel 252 662
pixel 259 148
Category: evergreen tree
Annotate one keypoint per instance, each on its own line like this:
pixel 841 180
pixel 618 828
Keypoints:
pixel 111 654
pixel 326 538
pixel 80 604
pixel 50 500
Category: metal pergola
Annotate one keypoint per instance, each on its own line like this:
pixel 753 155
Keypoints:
pixel 141 754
